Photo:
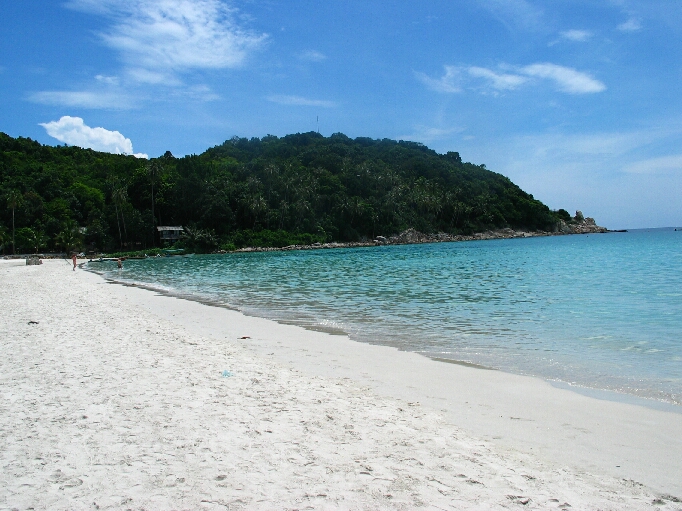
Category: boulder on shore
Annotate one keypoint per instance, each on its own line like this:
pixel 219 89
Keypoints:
pixel 579 225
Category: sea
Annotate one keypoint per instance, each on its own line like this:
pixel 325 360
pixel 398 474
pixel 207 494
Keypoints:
pixel 596 312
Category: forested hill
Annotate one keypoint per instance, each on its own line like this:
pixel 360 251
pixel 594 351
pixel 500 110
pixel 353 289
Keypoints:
pixel 269 191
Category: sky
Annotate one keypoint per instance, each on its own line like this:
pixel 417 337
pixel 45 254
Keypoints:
pixel 579 102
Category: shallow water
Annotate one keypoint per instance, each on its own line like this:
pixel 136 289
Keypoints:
pixel 601 311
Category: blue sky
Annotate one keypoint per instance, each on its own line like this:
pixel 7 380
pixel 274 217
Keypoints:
pixel 578 102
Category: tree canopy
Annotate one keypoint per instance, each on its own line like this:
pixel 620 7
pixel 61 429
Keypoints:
pixel 269 191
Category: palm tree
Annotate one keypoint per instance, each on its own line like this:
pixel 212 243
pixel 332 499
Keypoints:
pixel 301 206
pixel 153 169
pixel 37 239
pixel 271 171
pixel 119 195
pixel 283 207
pixel 70 237
pixel 355 207
pixel 3 237
pixel 14 198
pixel 201 239
pixel 257 205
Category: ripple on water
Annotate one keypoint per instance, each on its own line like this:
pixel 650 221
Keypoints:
pixel 607 308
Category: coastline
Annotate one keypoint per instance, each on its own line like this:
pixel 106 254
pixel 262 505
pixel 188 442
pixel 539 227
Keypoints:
pixel 117 395
pixel 604 394
pixel 414 237
pixel 408 237
pixel 506 403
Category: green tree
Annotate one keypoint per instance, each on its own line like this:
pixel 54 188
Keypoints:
pixel 199 240
pixel 153 170
pixel 562 214
pixel 70 237
pixel 256 205
pixel 14 199
pixel 119 195
pixel 96 233
pixel 299 184
pixel 37 240
pixel 3 237
pixel 30 239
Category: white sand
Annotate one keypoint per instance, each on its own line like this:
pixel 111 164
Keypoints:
pixel 115 399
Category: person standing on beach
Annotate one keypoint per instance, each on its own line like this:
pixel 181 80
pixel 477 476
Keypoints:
pixel 75 260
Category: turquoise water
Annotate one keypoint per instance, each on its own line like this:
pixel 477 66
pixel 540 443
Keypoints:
pixel 600 311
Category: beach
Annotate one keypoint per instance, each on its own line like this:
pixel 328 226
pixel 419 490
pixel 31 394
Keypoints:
pixel 116 397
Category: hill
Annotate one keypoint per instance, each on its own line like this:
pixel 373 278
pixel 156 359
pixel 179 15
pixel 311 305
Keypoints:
pixel 268 191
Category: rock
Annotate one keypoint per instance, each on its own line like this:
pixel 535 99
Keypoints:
pixel 579 225
pixel 410 236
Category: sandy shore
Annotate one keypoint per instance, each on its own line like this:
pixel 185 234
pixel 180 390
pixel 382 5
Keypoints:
pixel 114 397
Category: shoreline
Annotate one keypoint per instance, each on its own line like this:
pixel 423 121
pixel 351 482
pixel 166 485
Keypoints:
pixel 606 394
pixel 408 237
pixel 414 237
pixel 617 397
pixel 544 402
pixel 116 396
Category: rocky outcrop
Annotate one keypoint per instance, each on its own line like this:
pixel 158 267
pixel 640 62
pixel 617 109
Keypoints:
pixel 410 237
pixel 579 225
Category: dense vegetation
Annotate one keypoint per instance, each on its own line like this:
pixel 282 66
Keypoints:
pixel 271 191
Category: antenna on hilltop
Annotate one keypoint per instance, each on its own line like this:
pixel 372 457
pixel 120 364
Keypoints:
pixel 318 124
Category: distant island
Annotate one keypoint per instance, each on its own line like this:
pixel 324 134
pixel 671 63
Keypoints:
pixel 299 190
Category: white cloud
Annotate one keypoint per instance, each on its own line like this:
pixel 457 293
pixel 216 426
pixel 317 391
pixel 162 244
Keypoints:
pixel 631 25
pixel 152 77
pixel 72 130
pixel 107 80
pixel 501 81
pixel 576 35
pixel 197 93
pixel 596 146
pixel 300 101
pixel 660 165
pixel 158 38
pixel 202 92
pixel 568 79
pixel 448 83
pixel 312 56
pixel 82 99
pixel 428 134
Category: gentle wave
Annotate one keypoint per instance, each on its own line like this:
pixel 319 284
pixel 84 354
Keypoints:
pixel 600 311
